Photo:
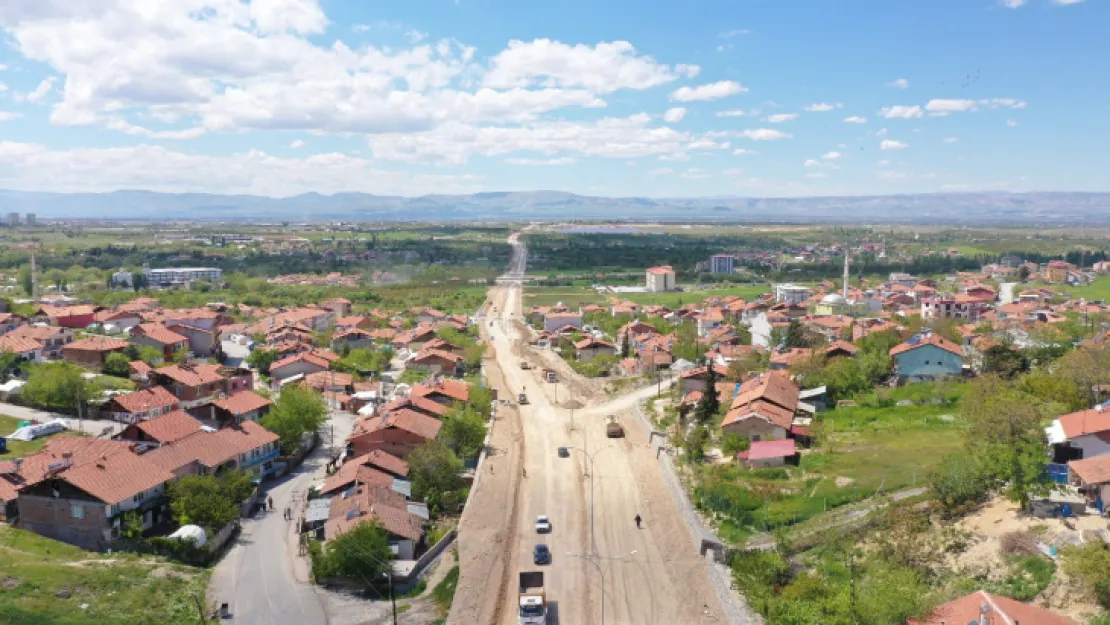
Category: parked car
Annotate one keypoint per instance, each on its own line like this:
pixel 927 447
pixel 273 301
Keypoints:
pixel 543 524
pixel 541 555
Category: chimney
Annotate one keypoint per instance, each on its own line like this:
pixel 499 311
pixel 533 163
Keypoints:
pixel 17 462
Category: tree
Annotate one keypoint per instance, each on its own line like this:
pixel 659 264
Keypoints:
pixel 435 470
pixel 795 335
pixel 463 431
pixel 957 482
pixel 480 399
pixel 1090 564
pixel 117 364
pixel 709 404
pixel 58 386
pixel 695 443
pixel 1023 273
pixel 25 280
pixel 626 345
pixel 261 359
pixel 208 501
pixel 362 555
pixel 733 444
pixel 297 412
pixel 1004 361
pixel 1088 369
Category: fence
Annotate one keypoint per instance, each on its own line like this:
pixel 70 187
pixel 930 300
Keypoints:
pixel 736 609
pixel 424 561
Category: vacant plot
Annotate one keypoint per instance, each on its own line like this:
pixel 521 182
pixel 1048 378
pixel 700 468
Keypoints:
pixel 573 297
pixel 45 581
pixel 18 449
pixel 1097 290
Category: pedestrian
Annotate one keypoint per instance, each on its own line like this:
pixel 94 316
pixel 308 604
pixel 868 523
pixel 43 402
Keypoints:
pixel 525 471
pixel 287 514
pixel 638 520
pixel 270 500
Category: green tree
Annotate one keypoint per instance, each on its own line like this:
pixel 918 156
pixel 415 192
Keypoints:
pixel 1004 361
pixel 297 412
pixel 117 364
pixel 626 345
pixel 732 444
pixel 146 353
pixel 957 482
pixel 361 555
pixel 58 386
pixel 435 473
pixel 795 335
pixel 709 404
pixel 480 399
pixel 463 431
pixel 1090 564
pixel 261 358
pixel 25 280
pixel 208 501
pixel 361 360
pixel 1006 433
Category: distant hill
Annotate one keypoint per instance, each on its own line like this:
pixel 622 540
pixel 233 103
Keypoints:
pixel 1037 208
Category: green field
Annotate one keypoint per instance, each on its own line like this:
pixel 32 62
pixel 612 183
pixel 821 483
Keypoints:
pixel 18 449
pixel 121 589
pixel 1097 290
pixel 574 297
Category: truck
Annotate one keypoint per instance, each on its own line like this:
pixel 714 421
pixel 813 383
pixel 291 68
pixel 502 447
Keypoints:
pixel 533 599
pixel 613 428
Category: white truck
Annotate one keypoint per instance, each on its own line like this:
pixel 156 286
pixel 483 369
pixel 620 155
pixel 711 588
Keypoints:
pixel 533 599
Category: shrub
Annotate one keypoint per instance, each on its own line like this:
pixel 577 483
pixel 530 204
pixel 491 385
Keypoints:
pixel 1018 543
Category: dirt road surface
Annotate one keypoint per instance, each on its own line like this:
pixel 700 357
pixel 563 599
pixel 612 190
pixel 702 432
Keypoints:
pixel 651 575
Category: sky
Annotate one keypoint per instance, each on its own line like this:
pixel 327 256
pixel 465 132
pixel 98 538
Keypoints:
pixel 748 98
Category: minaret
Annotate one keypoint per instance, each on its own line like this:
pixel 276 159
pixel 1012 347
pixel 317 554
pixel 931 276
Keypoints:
pixel 34 282
pixel 847 253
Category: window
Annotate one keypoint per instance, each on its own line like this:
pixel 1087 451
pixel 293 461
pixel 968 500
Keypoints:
pixel 78 511
pixel 139 497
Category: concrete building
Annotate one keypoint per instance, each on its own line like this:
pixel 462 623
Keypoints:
pixel 660 279
pixel 791 293
pixel 13 219
pixel 722 263
pixel 32 219
pixel 182 275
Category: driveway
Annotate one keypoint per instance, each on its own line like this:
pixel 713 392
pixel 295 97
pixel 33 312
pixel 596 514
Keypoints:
pixel 261 576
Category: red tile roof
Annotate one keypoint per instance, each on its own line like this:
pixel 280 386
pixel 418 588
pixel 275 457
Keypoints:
pixel 373 503
pixel 159 333
pixel 1003 611
pixel 437 353
pixel 97 344
pixel 350 472
pixel 146 400
pixel 1092 470
pixel 662 269
pixel 212 448
pixel 406 419
pixel 455 389
pixel 116 477
pixel 169 427
pixel 301 357
pixel 763 450
pixel 17 344
pixel 1093 421
pixel 327 379
pixel 191 374
pixel 935 340
pixel 140 367
pixel 242 402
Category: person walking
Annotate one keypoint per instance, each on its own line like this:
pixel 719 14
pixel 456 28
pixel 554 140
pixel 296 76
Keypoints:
pixel 270 500
pixel 638 520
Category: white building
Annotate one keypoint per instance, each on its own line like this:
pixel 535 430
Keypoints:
pixel 1007 292
pixel 179 275
pixel 904 279
pixel 660 279
pixel 761 330
pixel 722 263
pixel 122 278
pixel 791 293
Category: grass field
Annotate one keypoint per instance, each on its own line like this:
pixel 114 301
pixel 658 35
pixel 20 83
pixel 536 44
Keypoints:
pixel 18 449
pixel 121 589
pixel 1097 290
pixel 573 297
pixel 874 446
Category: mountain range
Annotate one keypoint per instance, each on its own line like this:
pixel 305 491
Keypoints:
pixel 982 208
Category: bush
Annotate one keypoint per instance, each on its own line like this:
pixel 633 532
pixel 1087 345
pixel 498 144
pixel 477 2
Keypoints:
pixel 1090 564
pixel 771 474
pixel 1018 543
pixel 957 483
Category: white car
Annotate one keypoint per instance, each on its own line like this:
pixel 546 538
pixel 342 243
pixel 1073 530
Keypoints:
pixel 543 524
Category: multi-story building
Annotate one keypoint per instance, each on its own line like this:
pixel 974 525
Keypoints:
pixel 660 279
pixel 722 263
pixel 792 293
pixel 181 275
pixel 32 220
pixel 13 219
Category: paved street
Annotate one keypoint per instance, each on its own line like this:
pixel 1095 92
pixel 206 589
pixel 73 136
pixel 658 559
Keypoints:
pixel 260 576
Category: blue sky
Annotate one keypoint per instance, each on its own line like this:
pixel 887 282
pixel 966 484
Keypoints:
pixel 742 98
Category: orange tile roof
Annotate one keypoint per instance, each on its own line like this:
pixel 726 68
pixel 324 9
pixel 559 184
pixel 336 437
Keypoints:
pixel 140 367
pixel 98 344
pixel 328 379
pixel 455 389
pixel 773 386
pixel 841 344
pixel 191 374
pixel 212 449
pixel 242 402
pixel 1092 470
pixel 146 400
pixel 18 344
pixel 935 340
pixel 406 419
pixel 1092 421
pixel 160 333
pixel 303 356
pixel 38 333
pixel 169 427
pixel 438 353
pixel 350 473
pixel 116 477
pixel 373 503
pixel 1003 611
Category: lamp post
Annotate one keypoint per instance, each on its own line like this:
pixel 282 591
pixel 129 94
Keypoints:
pixel 593 559
pixel 593 470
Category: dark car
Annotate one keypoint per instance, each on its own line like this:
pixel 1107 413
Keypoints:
pixel 541 555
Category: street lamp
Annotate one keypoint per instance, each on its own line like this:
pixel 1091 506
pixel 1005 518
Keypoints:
pixel 593 470
pixel 592 559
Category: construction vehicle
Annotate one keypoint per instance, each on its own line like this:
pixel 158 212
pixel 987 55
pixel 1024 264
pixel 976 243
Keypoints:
pixel 524 365
pixel 533 599
pixel 522 399
pixel 549 375
pixel 613 428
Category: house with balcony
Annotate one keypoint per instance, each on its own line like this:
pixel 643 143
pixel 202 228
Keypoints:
pixel 196 383
pixel 52 338
pixel 159 337
pixel 91 352
pixel 245 447
pixel 140 405
pixel 25 350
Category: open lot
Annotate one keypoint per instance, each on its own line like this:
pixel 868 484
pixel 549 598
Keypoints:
pixel 45 581
pixel 18 449
pixel 573 297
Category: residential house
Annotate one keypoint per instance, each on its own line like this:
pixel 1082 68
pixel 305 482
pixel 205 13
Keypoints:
pixel 240 407
pixel 428 315
pixel 694 379
pixel 161 430
pixel 246 447
pixel 791 293
pixel 159 337
pixel 25 350
pixel 203 342
pixel 1058 270
pixel 927 357
pixel 660 279
pixel 1092 477
pixel 9 322
pixel 301 364
pixel 441 391
pixel 140 405
pixel 763 409
pixel 52 338
pixel 116 321
pixel 768 453
pixel 437 361
pixel 1080 435
pixel 396 432
pixel 984 608
pixel 351 338
pixel 413 339
pixel 710 320
pixel 589 348
pixel 341 306
pixel 903 279
pixel 66 316
pixel 92 352
pixel 840 348
pixel 832 327
pixel 389 509
pixel 554 322
pixel 195 383
pixel 376 467
pixel 78 489
pixel 362 322
pixel 787 358
pixel 865 327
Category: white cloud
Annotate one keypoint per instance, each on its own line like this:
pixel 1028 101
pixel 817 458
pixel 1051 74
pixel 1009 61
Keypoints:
pixel 661 171
pixel 711 91
pixel 288 16
pixel 27 166
pixel 812 162
pixel 817 174
pixel 890 144
pixel 675 157
pixel 694 173
pixel 1011 122
pixel 297 144
pixel 951 139
pixel 822 107
pixel 689 71
pixel 901 112
pixel 940 108
pixel 743 152
pixel 832 156
pixel 724 47
pixel 883 163
pixel 42 90
pixel 729 34
pixel 6 116
pixel 881 132
pixel 738 113
pixel 855 119
pixel 674 115
pixel 1009 103
pixel 764 134
pixel 603 68
pixel 1012 4
pixel 900 83
pixel 779 118
pixel 891 175
pixel 1066 2
pixel 415 36
pixel 564 160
